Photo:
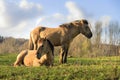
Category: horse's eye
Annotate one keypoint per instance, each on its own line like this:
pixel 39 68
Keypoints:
pixel 42 46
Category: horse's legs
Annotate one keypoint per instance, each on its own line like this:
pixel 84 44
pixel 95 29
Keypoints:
pixel 65 56
pixel 20 58
pixel 36 62
pixel 65 53
pixel 17 62
pixel 35 46
pixel 62 51
pixel 35 39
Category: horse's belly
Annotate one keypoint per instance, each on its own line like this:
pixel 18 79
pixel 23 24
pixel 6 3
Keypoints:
pixel 55 37
pixel 55 41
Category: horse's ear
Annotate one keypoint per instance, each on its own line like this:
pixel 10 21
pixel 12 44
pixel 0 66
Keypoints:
pixel 45 38
pixel 71 24
pixel 81 21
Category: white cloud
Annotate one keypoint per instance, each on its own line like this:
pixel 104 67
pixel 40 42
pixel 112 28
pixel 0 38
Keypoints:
pixel 11 14
pixel 19 18
pixel 29 5
pixel 52 20
pixel 74 11
pixel 25 5
pixel 15 17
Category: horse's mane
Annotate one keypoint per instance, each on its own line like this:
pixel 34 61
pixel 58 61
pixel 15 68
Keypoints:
pixel 69 25
pixel 84 21
pixel 66 25
pixel 51 46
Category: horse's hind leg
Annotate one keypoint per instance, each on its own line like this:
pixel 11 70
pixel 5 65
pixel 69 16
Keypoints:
pixel 35 38
pixel 20 58
pixel 18 61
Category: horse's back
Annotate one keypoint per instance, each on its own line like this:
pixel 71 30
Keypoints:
pixel 52 34
pixel 55 35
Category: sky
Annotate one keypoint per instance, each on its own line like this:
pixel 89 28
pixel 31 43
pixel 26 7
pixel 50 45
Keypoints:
pixel 19 17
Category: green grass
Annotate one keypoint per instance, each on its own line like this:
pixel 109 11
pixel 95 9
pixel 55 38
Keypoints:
pixel 102 68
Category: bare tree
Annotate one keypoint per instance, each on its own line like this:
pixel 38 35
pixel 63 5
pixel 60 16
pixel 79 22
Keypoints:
pixel 1 39
pixel 98 31
pixel 114 33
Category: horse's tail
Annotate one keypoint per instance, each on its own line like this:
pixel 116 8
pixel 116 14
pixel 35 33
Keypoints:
pixel 31 46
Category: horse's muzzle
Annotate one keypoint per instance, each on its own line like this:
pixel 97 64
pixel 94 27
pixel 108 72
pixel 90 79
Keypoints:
pixel 90 35
pixel 38 56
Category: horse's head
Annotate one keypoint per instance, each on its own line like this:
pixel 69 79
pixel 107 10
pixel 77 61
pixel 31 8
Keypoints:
pixel 44 47
pixel 84 27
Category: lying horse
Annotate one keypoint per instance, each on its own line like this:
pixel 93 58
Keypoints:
pixel 44 55
pixel 61 36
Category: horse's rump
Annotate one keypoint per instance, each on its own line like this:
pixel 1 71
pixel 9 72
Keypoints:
pixel 34 36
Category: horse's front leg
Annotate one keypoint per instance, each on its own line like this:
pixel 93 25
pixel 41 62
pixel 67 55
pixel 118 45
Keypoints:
pixel 20 58
pixel 63 53
pixel 65 56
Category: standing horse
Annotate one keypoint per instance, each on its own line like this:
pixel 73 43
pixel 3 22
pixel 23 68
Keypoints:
pixel 44 55
pixel 61 36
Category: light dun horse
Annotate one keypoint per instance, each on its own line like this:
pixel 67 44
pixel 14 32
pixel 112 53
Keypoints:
pixel 44 55
pixel 61 36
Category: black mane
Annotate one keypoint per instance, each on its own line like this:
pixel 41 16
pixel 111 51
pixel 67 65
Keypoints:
pixel 85 21
pixel 66 25
pixel 51 46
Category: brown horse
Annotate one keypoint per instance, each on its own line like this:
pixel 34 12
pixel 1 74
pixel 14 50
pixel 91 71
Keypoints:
pixel 61 36
pixel 44 55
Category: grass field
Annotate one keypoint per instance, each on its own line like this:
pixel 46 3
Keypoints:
pixel 102 68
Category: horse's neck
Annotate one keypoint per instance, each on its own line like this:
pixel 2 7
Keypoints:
pixel 73 33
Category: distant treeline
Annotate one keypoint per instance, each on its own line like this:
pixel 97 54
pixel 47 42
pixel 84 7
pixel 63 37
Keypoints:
pixel 80 47
pixel 12 45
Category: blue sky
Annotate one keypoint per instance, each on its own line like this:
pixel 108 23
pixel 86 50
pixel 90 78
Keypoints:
pixel 96 8
pixel 19 17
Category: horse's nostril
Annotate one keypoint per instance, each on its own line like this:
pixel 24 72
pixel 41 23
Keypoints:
pixel 38 56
